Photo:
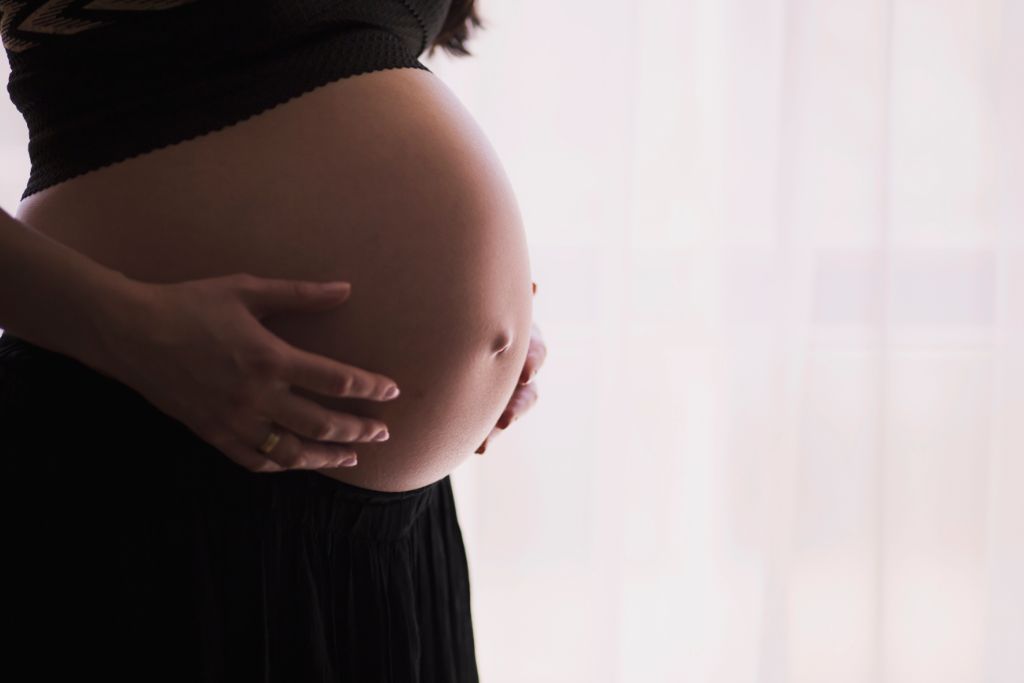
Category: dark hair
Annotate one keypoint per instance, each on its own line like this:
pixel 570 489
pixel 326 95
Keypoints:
pixel 462 17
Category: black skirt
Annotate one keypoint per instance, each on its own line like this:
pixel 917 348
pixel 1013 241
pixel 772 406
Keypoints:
pixel 133 550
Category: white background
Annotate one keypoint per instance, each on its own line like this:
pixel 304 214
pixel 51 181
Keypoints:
pixel 779 258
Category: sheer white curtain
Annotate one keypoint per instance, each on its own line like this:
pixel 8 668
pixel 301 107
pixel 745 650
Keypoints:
pixel 779 254
pixel 780 273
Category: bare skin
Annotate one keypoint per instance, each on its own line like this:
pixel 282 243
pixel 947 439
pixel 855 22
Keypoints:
pixel 526 394
pixel 382 180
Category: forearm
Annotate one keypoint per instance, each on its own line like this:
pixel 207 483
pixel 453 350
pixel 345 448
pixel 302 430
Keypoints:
pixel 56 297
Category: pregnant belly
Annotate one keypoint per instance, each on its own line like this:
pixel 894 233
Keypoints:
pixel 382 179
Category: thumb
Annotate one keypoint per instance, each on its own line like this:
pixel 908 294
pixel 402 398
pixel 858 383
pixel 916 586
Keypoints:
pixel 267 295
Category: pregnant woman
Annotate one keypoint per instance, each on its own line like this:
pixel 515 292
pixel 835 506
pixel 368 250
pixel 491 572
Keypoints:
pixel 175 505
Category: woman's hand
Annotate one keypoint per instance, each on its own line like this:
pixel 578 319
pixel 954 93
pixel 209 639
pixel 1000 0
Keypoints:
pixel 197 351
pixel 526 391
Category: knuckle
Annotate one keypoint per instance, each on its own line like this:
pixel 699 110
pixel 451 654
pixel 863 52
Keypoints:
pixel 341 454
pixel 349 433
pixel 303 458
pixel 344 384
pixel 296 459
pixel 322 430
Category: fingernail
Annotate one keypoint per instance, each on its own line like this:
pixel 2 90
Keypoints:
pixel 482 448
pixel 349 461
pixel 391 392
pixel 382 436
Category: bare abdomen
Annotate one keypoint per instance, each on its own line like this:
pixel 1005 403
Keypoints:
pixel 383 180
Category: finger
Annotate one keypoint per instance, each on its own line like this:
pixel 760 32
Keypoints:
pixel 536 354
pixel 490 437
pixel 321 455
pixel 333 378
pixel 522 400
pixel 494 434
pixel 291 451
pixel 249 458
pixel 495 431
pixel 309 419
pixel 266 295
pixel 530 367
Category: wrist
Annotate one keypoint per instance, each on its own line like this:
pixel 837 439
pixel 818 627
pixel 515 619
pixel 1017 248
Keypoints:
pixel 113 320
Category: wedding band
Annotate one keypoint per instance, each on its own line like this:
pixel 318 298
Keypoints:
pixel 268 444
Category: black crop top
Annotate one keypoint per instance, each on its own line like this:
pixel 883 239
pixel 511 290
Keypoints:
pixel 100 81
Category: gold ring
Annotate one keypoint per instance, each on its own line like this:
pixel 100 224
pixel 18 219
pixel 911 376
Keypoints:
pixel 268 444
